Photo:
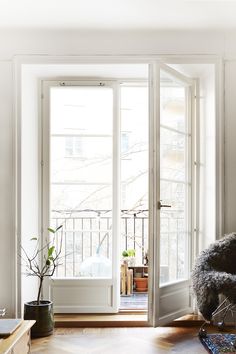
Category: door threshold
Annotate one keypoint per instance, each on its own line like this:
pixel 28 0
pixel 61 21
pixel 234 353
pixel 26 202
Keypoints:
pixel 101 320
pixel 132 311
pixel 120 319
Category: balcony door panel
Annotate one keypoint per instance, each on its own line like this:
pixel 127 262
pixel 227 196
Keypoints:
pixel 172 184
pixel 80 192
pixel 65 296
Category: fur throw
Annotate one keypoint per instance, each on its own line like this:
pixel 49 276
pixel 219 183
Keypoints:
pixel 214 273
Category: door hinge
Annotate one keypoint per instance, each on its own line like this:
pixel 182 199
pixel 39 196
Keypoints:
pixel 42 163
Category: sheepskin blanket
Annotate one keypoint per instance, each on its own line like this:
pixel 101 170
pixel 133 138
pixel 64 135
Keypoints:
pixel 214 273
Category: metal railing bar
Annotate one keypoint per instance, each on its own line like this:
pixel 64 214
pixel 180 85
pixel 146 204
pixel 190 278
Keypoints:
pixel 65 250
pixel 82 239
pixel 57 245
pixel 91 238
pixel 134 231
pixel 143 240
pixel 126 233
pixel 99 228
pixel 108 245
pixel 73 247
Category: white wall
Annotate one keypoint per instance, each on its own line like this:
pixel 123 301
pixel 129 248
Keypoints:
pixel 30 181
pixel 230 146
pixel 6 188
pixel 75 43
pixel 119 42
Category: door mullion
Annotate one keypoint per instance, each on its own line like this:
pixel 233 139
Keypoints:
pixel 154 189
pixel 116 196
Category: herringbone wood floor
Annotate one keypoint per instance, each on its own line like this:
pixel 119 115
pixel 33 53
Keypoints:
pixel 160 340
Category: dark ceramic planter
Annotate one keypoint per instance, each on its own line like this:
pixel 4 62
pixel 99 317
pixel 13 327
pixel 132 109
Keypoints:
pixel 43 315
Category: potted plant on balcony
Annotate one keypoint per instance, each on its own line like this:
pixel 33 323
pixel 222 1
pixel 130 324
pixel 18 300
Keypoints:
pixel 129 257
pixel 41 264
pixel 141 284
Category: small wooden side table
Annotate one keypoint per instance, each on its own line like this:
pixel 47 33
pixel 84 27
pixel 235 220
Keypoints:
pixel 19 341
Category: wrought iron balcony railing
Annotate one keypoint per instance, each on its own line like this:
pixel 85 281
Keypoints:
pixel 87 232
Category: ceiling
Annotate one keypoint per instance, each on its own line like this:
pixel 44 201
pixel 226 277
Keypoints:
pixel 118 14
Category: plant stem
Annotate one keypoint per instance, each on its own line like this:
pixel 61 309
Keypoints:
pixel 40 289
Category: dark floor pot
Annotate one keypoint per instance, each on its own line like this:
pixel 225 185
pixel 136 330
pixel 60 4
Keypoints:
pixel 43 315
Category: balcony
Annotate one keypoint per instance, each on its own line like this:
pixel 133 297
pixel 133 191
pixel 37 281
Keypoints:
pixel 87 232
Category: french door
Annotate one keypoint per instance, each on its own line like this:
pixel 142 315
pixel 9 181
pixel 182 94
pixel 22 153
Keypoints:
pixel 171 192
pixel 80 144
pixel 81 191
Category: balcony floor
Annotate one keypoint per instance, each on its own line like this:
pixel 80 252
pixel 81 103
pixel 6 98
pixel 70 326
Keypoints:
pixel 136 301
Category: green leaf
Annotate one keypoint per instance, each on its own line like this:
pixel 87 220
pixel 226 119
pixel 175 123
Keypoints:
pixel 131 252
pixel 51 230
pixel 33 239
pixel 50 251
pixel 58 228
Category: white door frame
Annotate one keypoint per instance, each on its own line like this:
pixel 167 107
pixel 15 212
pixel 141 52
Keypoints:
pixel 36 61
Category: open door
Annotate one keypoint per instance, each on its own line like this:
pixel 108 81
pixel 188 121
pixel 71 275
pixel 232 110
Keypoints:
pixel 171 192
pixel 80 149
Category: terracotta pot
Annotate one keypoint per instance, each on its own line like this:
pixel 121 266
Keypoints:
pixel 141 284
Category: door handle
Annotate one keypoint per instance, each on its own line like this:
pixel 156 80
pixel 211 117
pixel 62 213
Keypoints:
pixel 159 205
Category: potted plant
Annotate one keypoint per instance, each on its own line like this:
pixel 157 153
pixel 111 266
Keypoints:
pixel 41 264
pixel 141 279
pixel 129 257
pixel 141 284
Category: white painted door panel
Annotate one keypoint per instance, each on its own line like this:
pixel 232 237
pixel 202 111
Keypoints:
pixel 80 149
pixel 171 181
pixel 82 296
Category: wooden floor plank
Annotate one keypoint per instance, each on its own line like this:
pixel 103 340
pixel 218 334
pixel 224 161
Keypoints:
pixel 159 340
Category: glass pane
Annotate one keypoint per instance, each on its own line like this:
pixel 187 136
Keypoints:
pixel 175 181
pixel 81 178
pixel 81 110
pixel 173 104
pixel 172 151
pixel 81 166
pixel 173 258
pixel 134 172
pixel 73 198
pixel 174 194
